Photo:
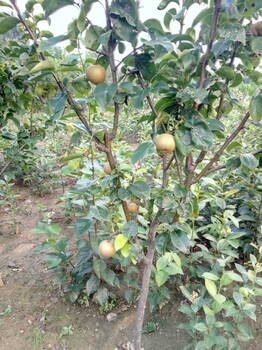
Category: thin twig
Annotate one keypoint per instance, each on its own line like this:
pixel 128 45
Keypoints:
pixel 210 42
pixel 213 170
pixel 164 177
pixel 130 53
pixel 223 147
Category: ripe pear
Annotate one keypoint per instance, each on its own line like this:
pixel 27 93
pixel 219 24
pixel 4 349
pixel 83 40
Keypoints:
pixel 107 168
pixel 96 74
pixel 106 249
pixel 165 143
pixel 132 207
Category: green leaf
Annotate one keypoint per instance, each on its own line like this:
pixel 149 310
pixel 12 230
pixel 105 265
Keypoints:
pixel 51 6
pixel 8 23
pixel 173 269
pixel 142 151
pixel 256 45
pixel 249 160
pixel 67 169
pixel 130 229
pixel 233 145
pixel 180 241
pixel 201 327
pixel 161 277
pixel 211 287
pixel 98 212
pixel 125 31
pixel 215 124
pixel 81 85
pixel 255 108
pixel 161 263
pixel 233 32
pixel 3 3
pixel 140 189
pixel 104 93
pixel 145 65
pixel 163 4
pixel 201 135
pixel 49 43
pixel 210 276
pixel 234 276
pixel 99 267
pixel 219 298
pixel 226 72
pixel 245 332
pixel 57 106
pixel 53 260
pixel 85 8
pixel 62 244
pixel 220 47
pixel 82 226
pixel 120 241
pixel 161 40
pixel 125 9
pixel 110 278
pixel 237 80
pixel 202 15
pixel 139 97
pixel 125 251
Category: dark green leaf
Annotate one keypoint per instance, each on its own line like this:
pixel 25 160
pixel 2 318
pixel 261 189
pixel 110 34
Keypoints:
pixel 145 65
pixel 130 229
pixel 82 226
pixel 8 23
pixel 125 9
pixel 98 212
pixel 102 295
pixel 92 285
pixel 202 15
pixel 104 93
pixel 140 189
pixel 180 241
pixel 99 267
pixel 50 6
pixel 53 260
pixel 226 72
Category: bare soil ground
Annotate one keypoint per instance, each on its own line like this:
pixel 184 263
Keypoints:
pixel 35 316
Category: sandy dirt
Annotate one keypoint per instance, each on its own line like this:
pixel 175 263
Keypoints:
pixel 35 314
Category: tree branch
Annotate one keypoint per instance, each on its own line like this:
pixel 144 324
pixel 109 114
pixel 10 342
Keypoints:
pixel 223 147
pixel 212 170
pixel 61 86
pixel 211 40
pixel 145 283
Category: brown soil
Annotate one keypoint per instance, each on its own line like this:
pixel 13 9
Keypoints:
pixel 38 313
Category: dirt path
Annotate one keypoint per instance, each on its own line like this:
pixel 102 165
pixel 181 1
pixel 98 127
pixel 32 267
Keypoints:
pixel 36 316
